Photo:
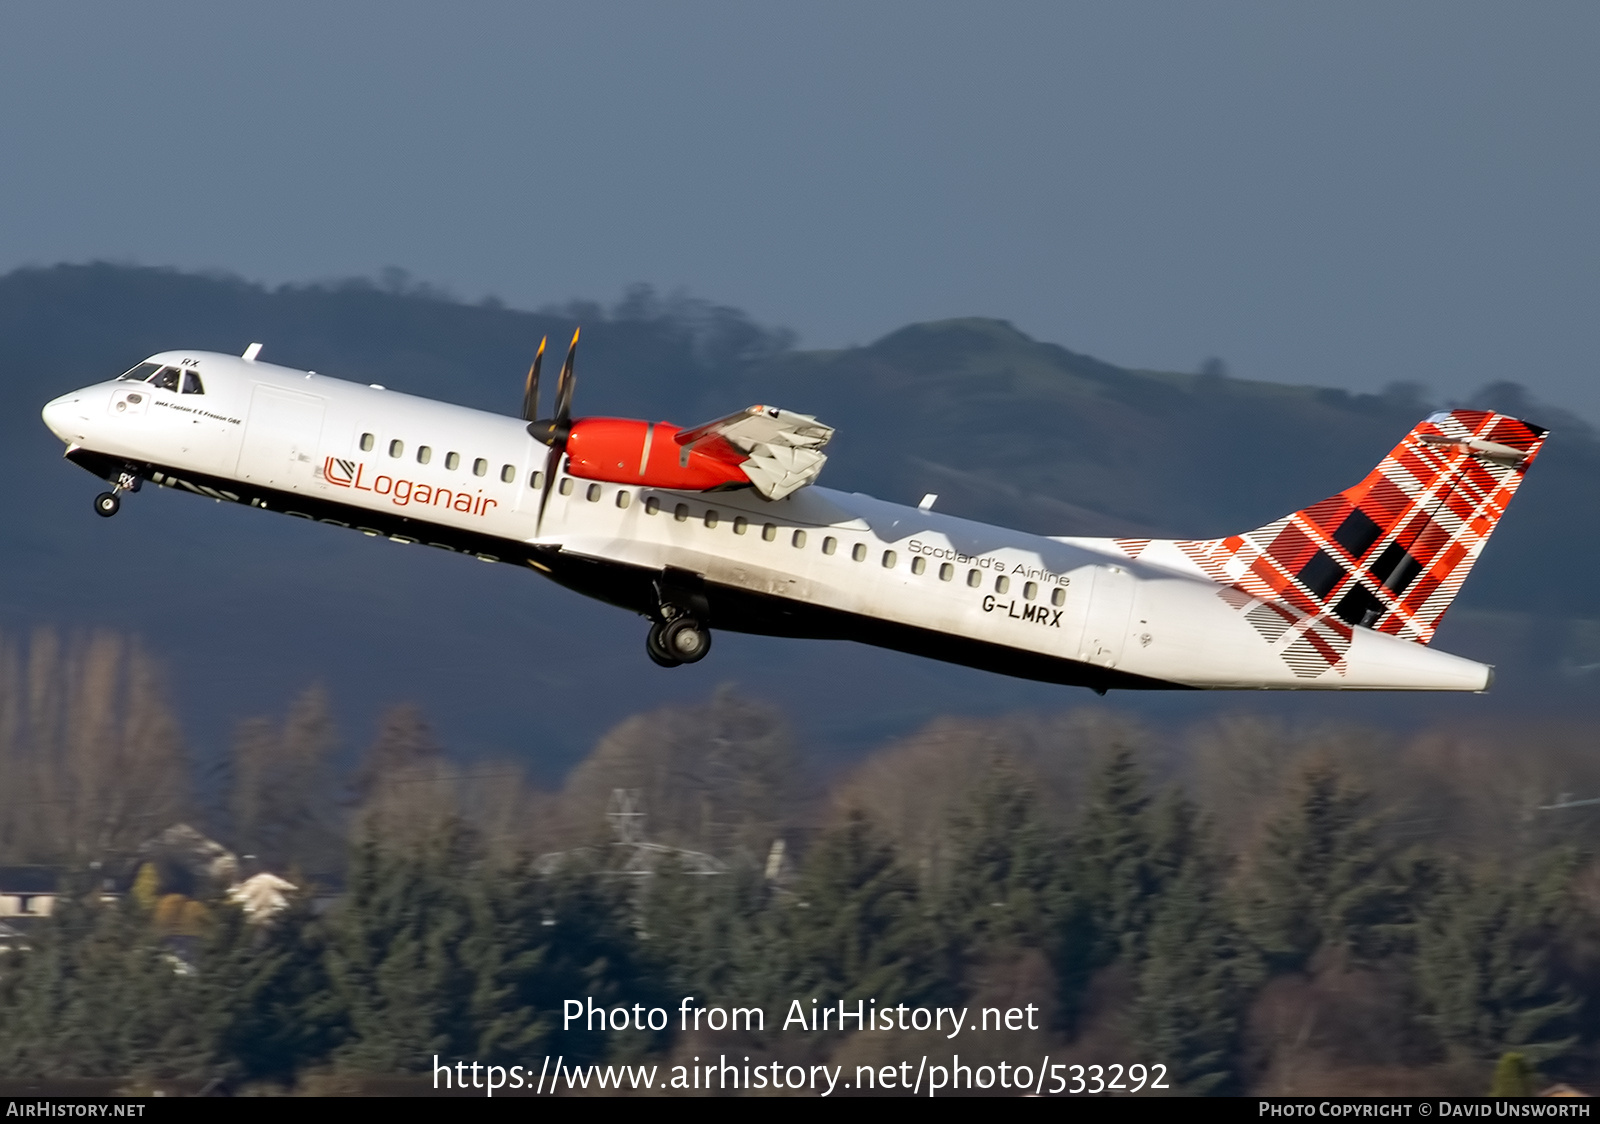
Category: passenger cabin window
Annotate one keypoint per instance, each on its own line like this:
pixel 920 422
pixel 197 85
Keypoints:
pixel 480 467
pixel 711 517
pixel 769 532
pixel 1002 583
pixel 165 379
pixel 191 383
pixel 946 571
pixel 139 373
pixel 652 505
pixel 740 524
pixel 397 448
pixel 452 461
pixel 424 454
pixel 859 552
pixel 918 564
pixel 536 480
pixel 565 487
pixel 1058 597
pixel 681 512
pixel 508 473
pixel 799 540
pixel 367 441
pixel 829 545
pixel 593 493
pixel 889 559
pixel 622 497
pixel 974 578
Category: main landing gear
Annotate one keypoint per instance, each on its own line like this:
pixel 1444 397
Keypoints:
pixel 107 504
pixel 678 641
pixel 678 634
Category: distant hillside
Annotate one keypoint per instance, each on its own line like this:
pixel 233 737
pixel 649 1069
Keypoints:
pixel 1030 434
pixel 247 608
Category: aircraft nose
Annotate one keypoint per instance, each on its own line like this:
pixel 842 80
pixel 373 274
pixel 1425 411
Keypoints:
pixel 60 414
pixel 54 414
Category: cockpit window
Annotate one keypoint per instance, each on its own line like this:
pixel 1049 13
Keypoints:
pixel 191 383
pixel 166 378
pixel 139 373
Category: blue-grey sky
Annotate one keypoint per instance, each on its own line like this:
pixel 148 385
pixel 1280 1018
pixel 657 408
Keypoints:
pixel 1343 193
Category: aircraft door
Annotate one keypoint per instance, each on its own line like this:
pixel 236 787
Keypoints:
pixel 280 438
pixel 1105 625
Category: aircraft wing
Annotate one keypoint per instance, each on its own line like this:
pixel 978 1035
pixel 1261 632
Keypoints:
pixel 778 450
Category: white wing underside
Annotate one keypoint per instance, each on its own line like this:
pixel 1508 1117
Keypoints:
pixel 782 448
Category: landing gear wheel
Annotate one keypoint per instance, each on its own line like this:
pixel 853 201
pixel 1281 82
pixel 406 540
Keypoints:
pixel 686 640
pixel 656 647
pixel 106 504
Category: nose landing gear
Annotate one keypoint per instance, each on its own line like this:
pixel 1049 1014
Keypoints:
pixel 107 504
pixel 677 641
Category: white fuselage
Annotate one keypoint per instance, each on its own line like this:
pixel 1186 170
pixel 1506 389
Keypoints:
pixel 820 563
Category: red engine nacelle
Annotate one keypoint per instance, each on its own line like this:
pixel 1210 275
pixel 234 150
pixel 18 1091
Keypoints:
pixel 625 451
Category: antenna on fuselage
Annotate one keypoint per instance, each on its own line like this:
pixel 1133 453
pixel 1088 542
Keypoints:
pixel 251 352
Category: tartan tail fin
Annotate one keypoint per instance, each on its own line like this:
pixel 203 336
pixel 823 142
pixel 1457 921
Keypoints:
pixel 1391 553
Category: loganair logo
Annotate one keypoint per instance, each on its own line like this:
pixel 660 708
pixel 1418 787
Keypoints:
pixel 404 493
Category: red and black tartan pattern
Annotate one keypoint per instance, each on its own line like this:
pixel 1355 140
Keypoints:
pixel 1389 554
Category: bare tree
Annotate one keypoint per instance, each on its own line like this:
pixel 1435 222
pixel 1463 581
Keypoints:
pixel 282 799
pixel 914 787
pixel 90 751
pixel 721 777
pixel 405 788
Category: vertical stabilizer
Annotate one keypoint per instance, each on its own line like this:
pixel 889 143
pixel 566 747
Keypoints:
pixel 1391 553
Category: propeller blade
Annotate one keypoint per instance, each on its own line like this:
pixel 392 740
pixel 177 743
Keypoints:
pixel 551 463
pixel 530 391
pixel 554 431
pixel 565 381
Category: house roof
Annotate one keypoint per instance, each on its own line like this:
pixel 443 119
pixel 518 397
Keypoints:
pixel 203 856
pixel 263 895
pixel 1563 1090
pixel 28 880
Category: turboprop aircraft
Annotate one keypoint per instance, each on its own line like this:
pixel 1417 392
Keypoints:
pixel 722 526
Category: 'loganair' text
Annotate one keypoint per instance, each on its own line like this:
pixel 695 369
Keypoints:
pixel 402 493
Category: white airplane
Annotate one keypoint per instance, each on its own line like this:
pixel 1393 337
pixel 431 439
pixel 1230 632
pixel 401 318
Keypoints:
pixel 721 526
